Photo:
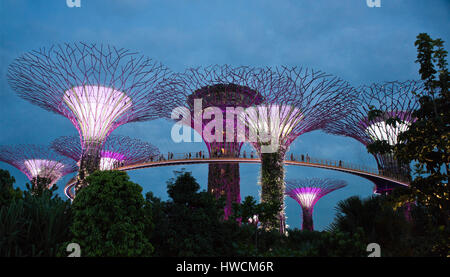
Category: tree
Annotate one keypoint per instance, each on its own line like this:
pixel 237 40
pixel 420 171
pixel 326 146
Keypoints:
pixel 377 220
pixel 110 217
pixel 426 143
pixel 7 191
pixel 427 139
pixel 35 225
pixel 190 224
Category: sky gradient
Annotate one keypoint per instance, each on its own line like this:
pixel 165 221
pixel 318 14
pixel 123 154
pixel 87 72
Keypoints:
pixel 346 38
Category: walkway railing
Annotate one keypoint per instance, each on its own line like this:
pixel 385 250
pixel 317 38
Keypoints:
pixel 299 159
pixel 201 155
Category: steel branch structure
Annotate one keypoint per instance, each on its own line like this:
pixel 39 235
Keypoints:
pixel 296 101
pixel 37 161
pixel 97 87
pixel 395 100
pixel 117 151
pixel 211 97
pixel 307 192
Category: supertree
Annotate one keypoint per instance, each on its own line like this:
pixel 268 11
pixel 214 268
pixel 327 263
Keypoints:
pixel 296 101
pixel 117 150
pixel 209 97
pixel 97 87
pixel 393 104
pixel 307 192
pixel 37 162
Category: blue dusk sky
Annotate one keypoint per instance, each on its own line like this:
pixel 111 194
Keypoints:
pixel 346 38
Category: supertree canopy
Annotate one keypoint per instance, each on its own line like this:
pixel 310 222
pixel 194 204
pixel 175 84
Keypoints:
pixel 393 101
pixel 216 90
pixel 37 162
pixel 296 101
pixel 97 87
pixel 307 192
pixel 117 150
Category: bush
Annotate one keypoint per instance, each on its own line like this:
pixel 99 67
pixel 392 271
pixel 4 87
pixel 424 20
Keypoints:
pixel 37 225
pixel 110 217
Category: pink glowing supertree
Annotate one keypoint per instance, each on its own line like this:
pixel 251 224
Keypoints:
pixel 37 161
pixel 117 150
pixel 205 95
pixel 307 192
pixel 392 100
pixel 296 101
pixel 277 105
pixel 97 87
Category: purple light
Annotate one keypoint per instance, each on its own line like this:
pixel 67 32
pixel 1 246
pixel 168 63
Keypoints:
pixel 98 88
pixel 307 192
pixel 37 161
pixel 394 100
pixel 116 151
pixel 221 87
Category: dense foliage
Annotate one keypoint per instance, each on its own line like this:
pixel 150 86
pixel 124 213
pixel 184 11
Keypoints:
pixel 426 144
pixel 110 218
pixel 32 224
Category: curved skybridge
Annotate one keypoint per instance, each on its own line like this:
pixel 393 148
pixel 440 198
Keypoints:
pixel 382 183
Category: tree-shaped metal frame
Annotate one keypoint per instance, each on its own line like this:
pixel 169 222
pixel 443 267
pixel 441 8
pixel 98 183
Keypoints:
pixel 97 87
pixel 37 161
pixel 307 192
pixel 395 100
pixel 117 150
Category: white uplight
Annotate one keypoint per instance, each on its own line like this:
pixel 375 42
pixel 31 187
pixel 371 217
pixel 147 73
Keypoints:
pixel 382 131
pixel 44 169
pixel 108 163
pixel 96 108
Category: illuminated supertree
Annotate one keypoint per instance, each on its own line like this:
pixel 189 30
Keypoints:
pixel 117 150
pixel 97 87
pixel 205 95
pixel 307 192
pixel 37 162
pixel 394 101
pixel 296 101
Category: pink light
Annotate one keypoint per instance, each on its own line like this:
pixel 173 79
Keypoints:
pixel 307 196
pixel 95 109
pixel 52 170
pixel 110 160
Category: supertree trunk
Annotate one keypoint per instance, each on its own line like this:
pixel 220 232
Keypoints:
pixel 391 167
pixel 307 223
pixel 272 187
pixel 89 163
pixel 223 181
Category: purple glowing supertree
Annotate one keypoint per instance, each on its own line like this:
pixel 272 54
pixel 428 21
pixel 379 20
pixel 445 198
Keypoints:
pixel 117 150
pixel 307 192
pixel 37 162
pixel 205 95
pixel 296 101
pixel 392 100
pixel 98 88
